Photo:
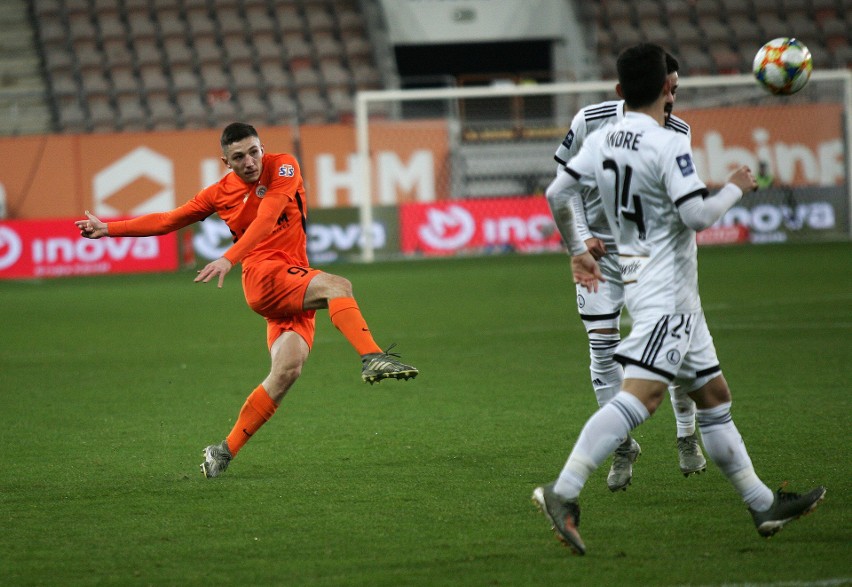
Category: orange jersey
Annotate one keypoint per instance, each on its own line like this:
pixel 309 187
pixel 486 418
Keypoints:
pixel 267 219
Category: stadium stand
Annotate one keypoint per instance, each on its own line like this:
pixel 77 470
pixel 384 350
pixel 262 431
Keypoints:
pixel 113 65
pixel 161 64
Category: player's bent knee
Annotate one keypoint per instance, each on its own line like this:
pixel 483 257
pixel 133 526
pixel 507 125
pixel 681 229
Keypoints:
pixel 713 393
pixel 278 382
pixel 328 286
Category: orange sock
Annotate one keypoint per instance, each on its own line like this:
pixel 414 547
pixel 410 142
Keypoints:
pixel 257 410
pixel 347 318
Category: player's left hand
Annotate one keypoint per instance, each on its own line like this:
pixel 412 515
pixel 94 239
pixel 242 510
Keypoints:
pixel 219 267
pixel 586 271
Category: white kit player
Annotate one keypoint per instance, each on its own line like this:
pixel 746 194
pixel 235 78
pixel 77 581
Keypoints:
pixel 654 203
pixel 601 310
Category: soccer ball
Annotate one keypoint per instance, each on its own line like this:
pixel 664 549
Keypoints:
pixel 783 66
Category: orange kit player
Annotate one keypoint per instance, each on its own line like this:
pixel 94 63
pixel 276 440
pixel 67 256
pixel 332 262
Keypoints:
pixel 263 203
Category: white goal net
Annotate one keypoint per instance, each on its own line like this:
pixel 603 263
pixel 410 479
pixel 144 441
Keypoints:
pixel 467 167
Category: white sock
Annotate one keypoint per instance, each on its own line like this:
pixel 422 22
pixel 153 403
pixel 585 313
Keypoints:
pixel 726 448
pixel 603 432
pixel 684 411
pixel 607 375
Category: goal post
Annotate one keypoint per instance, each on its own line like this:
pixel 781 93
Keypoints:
pixel 499 140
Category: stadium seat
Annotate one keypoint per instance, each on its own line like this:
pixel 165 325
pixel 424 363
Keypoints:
pixel 618 11
pixel 282 108
pixel 726 60
pixel 245 78
pixel 676 9
pixel 177 52
pixel 735 10
pixel 334 75
pixel 326 46
pixel 224 111
pixel 834 33
pixel 72 116
pixel 170 23
pixel 56 59
pixel 184 78
pixel 163 114
pixel 192 112
pixel 289 20
pixel 716 32
pixel 81 27
pixel 843 57
pixel 110 26
pixel 773 26
pixel 75 7
pixel 146 52
pixel 117 55
pixel 124 82
pixel 131 113
pixel 258 20
pixel 87 55
pixel 695 61
pixel 706 9
pixel 153 78
pixel 312 107
pixel 102 116
pixel 648 10
pixel 140 26
pixel 306 77
pixel 207 50
pixel 349 21
pixel 238 53
pixel 766 8
pixel 229 21
pixel 48 9
pixel 318 19
pixel 214 78
pixel 296 47
pixel 342 103
pixel 747 35
pixel 252 107
pixel 52 33
pixel 94 84
pixel 274 76
pixel 357 47
pixel 199 24
pixel 64 83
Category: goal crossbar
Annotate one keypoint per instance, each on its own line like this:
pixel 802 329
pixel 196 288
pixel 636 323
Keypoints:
pixel 363 99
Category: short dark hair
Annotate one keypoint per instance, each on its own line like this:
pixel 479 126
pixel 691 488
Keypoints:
pixel 642 72
pixel 672 65
pixel 236 131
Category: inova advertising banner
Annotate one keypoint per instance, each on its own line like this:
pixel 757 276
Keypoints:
pixel 54 248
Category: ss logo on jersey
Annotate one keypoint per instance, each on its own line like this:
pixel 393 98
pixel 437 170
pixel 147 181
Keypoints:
pixel 286 171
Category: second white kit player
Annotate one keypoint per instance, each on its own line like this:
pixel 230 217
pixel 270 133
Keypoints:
pixel 601 310
pixel 654 203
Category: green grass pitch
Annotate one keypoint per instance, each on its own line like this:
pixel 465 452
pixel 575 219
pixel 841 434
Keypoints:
pixel 111 386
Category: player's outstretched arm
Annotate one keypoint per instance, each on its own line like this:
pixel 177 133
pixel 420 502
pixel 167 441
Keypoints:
pixel 92 227
pixel 586 271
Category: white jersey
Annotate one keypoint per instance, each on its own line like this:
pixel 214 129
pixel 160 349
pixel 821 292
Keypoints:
pixel 643 173
pixel 590 219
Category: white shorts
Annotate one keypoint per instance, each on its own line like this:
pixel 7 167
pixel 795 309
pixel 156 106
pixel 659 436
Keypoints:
pixel 675 348
pixel 602 309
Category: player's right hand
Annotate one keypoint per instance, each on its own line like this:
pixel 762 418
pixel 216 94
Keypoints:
pixel 743 178
pixel 92 227
pixel 586 271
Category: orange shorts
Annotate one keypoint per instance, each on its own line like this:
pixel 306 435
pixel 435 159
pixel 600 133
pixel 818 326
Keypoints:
pixel 276 291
